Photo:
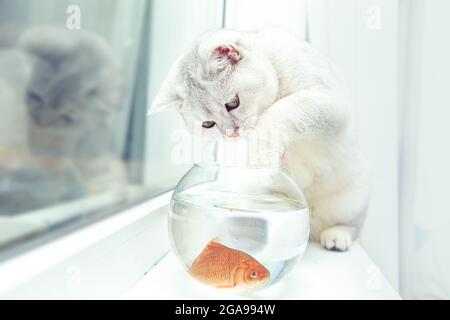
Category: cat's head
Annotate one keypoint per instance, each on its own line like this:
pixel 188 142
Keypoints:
pixel 220 86
pixel 76 80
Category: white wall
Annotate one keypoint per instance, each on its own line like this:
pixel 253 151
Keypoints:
pixel 254 14
pixel 425 214
pixel 361 36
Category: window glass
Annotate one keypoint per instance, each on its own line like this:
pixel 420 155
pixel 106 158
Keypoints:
pixel 76 79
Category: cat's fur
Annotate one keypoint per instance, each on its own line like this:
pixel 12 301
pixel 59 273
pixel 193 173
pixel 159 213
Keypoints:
pixel 284 85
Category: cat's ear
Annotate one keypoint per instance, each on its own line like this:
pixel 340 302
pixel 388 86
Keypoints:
pixel 164 100
pixel 167 95
pixel 48 43
pixel 225 55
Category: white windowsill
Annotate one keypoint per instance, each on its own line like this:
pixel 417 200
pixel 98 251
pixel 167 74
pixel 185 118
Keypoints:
pixel 320 274
pixel 120 248
pixel 99 261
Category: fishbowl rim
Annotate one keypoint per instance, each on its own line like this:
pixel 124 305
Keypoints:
pixel 238 166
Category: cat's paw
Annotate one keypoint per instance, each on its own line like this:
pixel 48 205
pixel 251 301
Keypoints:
pixel 266 147
pixel 336 239
pixel 268 154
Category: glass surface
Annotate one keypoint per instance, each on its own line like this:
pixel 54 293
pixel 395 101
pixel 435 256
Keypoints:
pixel 239 228
pixel 76 79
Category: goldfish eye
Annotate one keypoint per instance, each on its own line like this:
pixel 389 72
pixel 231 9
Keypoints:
pixel 253 275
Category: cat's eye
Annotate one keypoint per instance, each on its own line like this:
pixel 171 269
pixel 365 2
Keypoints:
pixel 35 97
pixel 233 104
pixel 208 124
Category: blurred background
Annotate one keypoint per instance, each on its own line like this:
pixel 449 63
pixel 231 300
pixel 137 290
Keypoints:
pixel 76 78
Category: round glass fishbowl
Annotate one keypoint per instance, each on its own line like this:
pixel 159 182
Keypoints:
pixel 238 227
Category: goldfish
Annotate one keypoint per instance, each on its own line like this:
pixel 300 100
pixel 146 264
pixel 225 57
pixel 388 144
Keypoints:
pixel 223 267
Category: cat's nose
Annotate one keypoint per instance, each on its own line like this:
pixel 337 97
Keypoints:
pixel 233 133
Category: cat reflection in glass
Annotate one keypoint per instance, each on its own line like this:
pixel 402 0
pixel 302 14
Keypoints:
pixel 64 87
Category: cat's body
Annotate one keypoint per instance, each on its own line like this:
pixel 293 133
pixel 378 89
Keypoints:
pixel 271 81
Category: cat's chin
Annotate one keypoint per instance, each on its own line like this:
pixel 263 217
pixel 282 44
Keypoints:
pixel 56 124
pixel 244 133
pixel 41 124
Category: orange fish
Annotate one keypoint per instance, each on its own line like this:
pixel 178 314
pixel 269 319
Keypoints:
pixel 223 267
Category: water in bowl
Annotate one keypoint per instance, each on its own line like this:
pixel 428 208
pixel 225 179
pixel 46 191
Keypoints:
pixel 272 229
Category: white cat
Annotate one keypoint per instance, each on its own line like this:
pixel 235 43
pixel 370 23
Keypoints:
pixel 231 83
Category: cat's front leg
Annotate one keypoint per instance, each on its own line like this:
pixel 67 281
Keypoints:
pixel 337 218
pixel 338 238
pixel 267 147
pixel 307 114
pixel 319 117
